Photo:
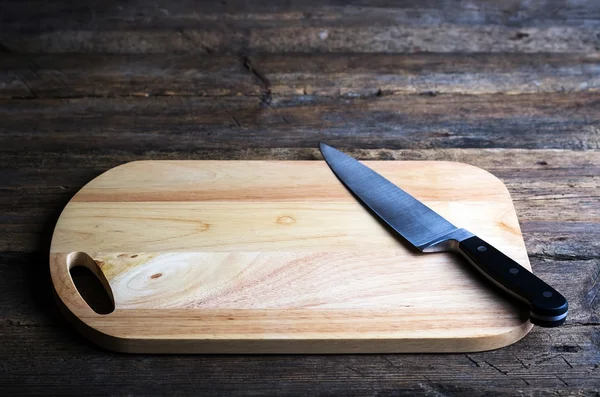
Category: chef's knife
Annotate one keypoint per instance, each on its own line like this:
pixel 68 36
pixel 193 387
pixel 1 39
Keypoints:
pixel 428 231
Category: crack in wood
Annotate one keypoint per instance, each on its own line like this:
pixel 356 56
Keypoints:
pixel 560 379
pixel 545 359
pixel 522 363
pixel 266 96
pixel 473 361
pixel 193 41
pixel 355 371
pixel 32 93
pixel 565 360
pixel 391 363
pixel 496 368
pixel 432 387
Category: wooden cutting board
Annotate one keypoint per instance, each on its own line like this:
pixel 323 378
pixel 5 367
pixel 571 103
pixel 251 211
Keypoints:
pixel 278 257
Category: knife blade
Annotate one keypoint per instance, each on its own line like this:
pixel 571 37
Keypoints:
pixel 428 231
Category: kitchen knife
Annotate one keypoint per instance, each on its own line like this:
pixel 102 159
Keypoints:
pixel 428 231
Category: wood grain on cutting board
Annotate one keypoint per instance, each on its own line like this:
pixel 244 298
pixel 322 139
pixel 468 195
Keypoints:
pixel 278 257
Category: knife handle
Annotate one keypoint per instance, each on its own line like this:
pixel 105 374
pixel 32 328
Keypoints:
pixel 547 307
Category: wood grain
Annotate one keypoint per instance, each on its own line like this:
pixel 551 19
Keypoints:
pixel 223 257
pixel 452 26
pixel 350 75
pixel 407 121
pixel 188 13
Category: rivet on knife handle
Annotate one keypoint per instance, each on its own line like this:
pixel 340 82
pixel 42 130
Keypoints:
pixel 428 231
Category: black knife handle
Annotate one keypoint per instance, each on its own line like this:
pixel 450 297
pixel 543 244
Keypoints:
pixel 547 307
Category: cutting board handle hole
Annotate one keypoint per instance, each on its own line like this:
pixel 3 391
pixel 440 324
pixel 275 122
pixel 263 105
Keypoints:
pixel 90 282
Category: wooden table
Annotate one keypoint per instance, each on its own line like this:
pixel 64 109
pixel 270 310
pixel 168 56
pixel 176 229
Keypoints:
pixel 510 86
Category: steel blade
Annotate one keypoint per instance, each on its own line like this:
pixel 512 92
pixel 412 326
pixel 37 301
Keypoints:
pixel 418 224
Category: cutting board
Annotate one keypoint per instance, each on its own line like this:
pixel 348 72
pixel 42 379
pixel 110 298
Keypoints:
pixel 278 257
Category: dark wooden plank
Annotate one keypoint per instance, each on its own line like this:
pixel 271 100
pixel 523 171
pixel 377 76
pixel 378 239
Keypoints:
pixel 560 362
pixel 97 14
pixel 406 121
pixel 79 75
pixel 369 39
pixel 330 26
pixel 125 75
pixel 383 74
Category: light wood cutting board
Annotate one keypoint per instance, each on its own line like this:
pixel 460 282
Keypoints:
pixel 278 257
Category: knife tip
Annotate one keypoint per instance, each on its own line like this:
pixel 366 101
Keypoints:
pixel 323 146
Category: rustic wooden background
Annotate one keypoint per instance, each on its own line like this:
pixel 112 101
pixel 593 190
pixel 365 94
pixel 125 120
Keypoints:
pixel 510 86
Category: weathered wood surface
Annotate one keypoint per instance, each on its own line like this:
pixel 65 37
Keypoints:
pixel 332 75
pixel 548 121
pixel 510 86
pixel 313 26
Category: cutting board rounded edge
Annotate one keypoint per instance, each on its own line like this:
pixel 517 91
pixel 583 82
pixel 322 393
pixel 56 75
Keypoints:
pixel 149 345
